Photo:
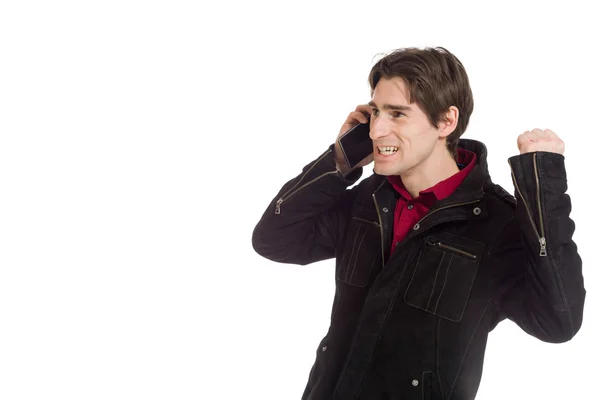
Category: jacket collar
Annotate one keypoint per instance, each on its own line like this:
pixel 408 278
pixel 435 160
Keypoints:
pixel 473 185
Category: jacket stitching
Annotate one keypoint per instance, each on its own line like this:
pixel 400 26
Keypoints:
pixel 307 171
pixel 445 280
pixel 387 314
pixel 362 238
pixel 437 367
pixel 467 349
pixel 345 275
pixel 554 267
pixel 424 393
pixel 435 280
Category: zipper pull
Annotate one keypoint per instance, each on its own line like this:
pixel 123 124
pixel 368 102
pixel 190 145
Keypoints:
pixel 278 206
pixel 543 247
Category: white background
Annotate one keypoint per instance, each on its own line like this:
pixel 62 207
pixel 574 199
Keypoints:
pixel 141 141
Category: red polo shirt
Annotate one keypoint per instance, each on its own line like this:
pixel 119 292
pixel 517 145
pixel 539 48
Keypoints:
pixel 409 211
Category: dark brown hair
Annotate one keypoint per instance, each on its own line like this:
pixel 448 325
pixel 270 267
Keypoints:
pixel 436 80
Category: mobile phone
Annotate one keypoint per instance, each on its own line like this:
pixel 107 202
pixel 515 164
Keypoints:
pixel 356 144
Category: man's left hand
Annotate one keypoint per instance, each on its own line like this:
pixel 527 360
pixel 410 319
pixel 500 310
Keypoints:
pixel 540 140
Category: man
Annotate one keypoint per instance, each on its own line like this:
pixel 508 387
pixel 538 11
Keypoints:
pixel 430 254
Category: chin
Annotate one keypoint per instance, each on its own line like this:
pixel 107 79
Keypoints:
pixel 385 169
pixel 382 170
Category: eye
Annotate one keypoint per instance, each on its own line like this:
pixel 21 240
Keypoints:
pixel 397 114
pixel 374 111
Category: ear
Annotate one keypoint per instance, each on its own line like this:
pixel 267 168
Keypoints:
pixel 447 125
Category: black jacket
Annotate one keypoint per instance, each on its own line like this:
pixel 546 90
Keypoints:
pixel 414 325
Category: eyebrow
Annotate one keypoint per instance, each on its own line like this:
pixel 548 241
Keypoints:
pixel 392 107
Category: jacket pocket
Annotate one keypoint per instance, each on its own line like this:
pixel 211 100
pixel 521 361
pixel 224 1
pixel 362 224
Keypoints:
pixel 430 387
pixel 361 253
pixel 443 276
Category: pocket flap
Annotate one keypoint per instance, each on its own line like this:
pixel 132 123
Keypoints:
pixel 444 274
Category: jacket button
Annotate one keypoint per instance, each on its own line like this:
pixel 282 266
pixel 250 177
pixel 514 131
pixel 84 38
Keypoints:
pixel 416 227
pixel 385 209
pixel 415 382
pixel 324 348
pixel 477 211
pixel 410 206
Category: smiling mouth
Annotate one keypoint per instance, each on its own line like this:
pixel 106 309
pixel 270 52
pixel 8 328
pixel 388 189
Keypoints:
pixel 387 150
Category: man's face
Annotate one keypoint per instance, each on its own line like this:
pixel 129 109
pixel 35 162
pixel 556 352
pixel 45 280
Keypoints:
pixel 402 136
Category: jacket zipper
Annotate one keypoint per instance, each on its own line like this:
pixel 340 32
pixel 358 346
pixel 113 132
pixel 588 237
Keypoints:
pixel 290 193
pixel 421 220
pixel 543 251
pixel 539 233
pixel 451 248
pixel 367 221
pixel 448 206
pixel 380 231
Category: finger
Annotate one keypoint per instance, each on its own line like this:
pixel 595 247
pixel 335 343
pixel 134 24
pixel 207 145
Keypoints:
pixel 523 140
pixel 531 136
pixel 357 116
pixel 365 109
pixel 542 134
pixel 549 134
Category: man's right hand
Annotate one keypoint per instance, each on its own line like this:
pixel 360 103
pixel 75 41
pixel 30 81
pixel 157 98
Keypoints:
pixel 354 118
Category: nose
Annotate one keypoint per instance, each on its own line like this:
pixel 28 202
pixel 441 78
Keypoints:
pixel 380 127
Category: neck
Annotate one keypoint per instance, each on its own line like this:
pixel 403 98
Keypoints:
pixel 440 165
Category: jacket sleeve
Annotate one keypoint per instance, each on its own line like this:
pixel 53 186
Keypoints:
pixel 543 289
pixel 304 220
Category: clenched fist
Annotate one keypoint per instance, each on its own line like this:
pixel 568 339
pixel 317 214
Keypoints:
pixel 540 140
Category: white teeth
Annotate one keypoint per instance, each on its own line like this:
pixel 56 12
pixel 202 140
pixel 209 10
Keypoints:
pixel 388 150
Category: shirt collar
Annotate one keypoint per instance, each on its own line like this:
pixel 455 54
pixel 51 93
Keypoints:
pixel 465 160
